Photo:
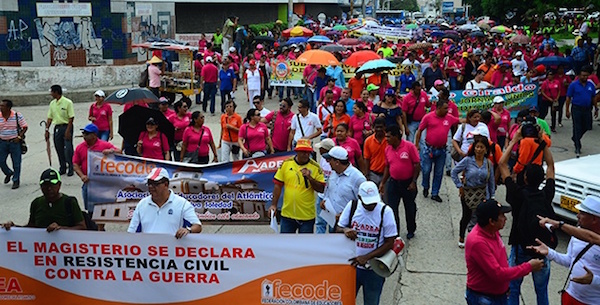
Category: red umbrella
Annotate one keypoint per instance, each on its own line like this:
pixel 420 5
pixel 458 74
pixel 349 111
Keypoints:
pixel 357 59
pixel 349 42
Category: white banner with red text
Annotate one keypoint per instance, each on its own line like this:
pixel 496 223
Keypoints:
pixel 82 267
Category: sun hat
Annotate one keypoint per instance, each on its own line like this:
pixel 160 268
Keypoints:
pixel 327 144
pixel 590 205
pixel 303 145
pixel 155 60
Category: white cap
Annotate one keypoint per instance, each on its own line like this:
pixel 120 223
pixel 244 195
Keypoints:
pixel 293 46
pixel 232 49
pixel 297 50
pixel 100 93
pixel 590 205
pixel 157 174
pixel 327 144
pixel 519 53
pixel 208 59
pixel 369 193
pixel 337 152
pixel 498 100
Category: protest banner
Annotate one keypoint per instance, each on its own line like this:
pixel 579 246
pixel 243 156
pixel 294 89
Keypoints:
pixel 386 32
pixel 238 192
pixel 96 268
pixel 519 97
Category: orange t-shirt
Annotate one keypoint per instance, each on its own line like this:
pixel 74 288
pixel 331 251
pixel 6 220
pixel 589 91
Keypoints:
pixel 335 121
pixel 374 151
pixel 527 147
pixel 496 155
pixel 357 86
pixel 488 74
pixel 228 134
pixel 374 79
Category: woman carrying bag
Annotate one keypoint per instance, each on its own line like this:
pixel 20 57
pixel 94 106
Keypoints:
pixel 196 141
pixel 477 183
pixel 254 137
pixel 152 143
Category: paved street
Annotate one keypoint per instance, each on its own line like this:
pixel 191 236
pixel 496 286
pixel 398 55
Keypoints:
pixel 435 271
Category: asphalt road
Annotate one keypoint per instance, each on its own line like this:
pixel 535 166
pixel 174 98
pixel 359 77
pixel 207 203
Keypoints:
pixel 435 271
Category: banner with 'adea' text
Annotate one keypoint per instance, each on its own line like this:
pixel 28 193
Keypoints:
pixel 517 98
pixel 97 268
pixel 235 192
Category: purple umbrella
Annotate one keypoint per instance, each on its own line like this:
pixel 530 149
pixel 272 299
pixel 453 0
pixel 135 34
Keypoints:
pixel 451 32
pixel 333 33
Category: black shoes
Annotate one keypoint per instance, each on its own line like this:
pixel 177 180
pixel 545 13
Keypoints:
pixel 425 193
pixel 15 185
pixel 436 198
pixel 7 178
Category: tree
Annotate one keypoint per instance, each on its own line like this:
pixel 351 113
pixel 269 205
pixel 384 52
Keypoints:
pixel 407 5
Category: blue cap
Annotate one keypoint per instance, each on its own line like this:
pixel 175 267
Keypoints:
pixel 533 108
pixel 90 128
pixel 390 91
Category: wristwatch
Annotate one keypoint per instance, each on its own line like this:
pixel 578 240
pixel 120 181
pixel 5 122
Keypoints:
pixel 560 224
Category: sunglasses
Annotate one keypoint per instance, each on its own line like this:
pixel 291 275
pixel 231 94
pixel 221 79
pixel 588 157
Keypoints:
pixel 154 183
pixel 282 105
pixel 255 103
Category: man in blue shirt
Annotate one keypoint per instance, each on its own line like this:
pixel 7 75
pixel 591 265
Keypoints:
pixel 580 56
pixel 336 72
pixel 581 94
pixel 406 80
pixel 228 81
pixel 548 40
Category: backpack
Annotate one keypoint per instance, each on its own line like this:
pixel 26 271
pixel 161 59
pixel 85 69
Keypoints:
pixel 528 226
pixel 353 209
pixel 144 78
pixel 89 223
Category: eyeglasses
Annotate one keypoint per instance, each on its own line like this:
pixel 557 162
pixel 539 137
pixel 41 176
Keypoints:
pixel 257 114
pixel 282 105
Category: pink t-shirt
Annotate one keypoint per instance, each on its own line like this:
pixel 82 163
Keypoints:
pixel 561 80
pixel 192 138
pixel 281 129
pixel 337 92
pixel 180 125
pixel 154 76
pixel 409 101
pixel 452 109
pixel 352 147
pixel 357 125
pixel 81 153
pixel 102 115
pixel 551 87
pixel 310 72
pixel 169 113
pixel 401 160
pixel 500 79
pixel 502 128
pixel 154 148
pixel 254 137
pixel 437 128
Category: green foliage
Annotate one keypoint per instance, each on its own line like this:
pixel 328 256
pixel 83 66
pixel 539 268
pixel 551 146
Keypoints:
pixel 255 28
pixel 407 5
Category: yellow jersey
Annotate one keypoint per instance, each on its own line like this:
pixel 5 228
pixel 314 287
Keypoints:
pixel 298 195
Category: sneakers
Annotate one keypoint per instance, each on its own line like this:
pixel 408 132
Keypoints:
pixel 7 178
pixel 436 198
pixel 425 193
pixel 560 125
pixel 577 153
pixel 461 243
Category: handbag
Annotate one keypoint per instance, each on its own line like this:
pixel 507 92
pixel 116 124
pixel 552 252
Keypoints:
pixel 24 147
pixel 475 194
pixel 235 149
pixel 453 152
pixel 192 157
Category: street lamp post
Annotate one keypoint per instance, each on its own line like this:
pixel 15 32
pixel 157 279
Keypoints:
pixel 290 13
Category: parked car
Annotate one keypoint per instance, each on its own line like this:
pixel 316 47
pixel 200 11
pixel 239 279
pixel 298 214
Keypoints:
pixel 575 179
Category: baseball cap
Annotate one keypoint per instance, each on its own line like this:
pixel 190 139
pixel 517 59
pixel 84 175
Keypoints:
pixel 100 93
pixel 499 99
pixel 90 128
pixel 369 193
pixel 337 152
pixel 151 121
pixel 208 59
pixel 519 53
pixel 490 208
pixel 327 144
pixel 157 174
pixel 465 54
pixel 390 91
pixel 252 62
pixel 590 205
pixel 232 49
pixel 259 46
pixel 50 175
pixel 303 145
pixel 438 82
pixel 371 87
pixel 533 108
pixel 163 100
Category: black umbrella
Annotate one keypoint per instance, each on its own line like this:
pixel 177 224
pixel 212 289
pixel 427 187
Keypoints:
pixel 454 37
pixel 332 48
pixel 396 60
pixel 132 95
pixel 133 122
pixel 268 39
pixel 477 34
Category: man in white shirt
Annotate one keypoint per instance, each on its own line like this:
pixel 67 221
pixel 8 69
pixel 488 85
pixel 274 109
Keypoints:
pixel 478 83
pixel 519 65
pixel 305 125
pixel 258 103
pixel 164 212
pixel 370 223
pixel 324 147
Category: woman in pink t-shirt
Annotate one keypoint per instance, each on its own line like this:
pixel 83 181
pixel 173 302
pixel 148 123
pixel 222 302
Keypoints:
pixel 101 115
pixel 152 143
pixel 254 137
pixel 361 123
pixel 181 120
pixel 550 92
pixel 500 122
pixel 352 147
pixel 196 141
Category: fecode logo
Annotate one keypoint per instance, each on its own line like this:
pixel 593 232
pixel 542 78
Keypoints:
pixel 261 165
pixel 276 291
pixel 125 167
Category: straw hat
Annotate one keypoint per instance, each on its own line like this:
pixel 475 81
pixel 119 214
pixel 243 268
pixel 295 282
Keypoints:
pixel 155 60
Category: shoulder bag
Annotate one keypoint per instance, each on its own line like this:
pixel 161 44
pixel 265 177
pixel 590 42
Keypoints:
pixel 24 147
pixel 235 149
pixel 192 157
pixel 454 153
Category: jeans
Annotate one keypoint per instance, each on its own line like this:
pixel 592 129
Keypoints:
pixel 412 128
pixel 226 148
pixel 454 84
pixel 225 96
pixel 84 195
pixel 397 190
pixel 433 158
pixel 289 225
pixel 289 91
pixel 561 105
pixel 64 148
pixel 540 278
pixel 582 122
pixel 14 150
pixel 310 97
pixel 372 285
pixel 321 224
pixel 210 91
pixel 448 150
pixel 103 134
pixel 475 298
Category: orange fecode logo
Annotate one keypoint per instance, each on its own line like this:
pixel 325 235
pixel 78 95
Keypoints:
pixel 279 290
pixel 125 167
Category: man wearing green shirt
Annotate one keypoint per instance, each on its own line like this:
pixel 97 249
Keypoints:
pixel 534 112
pixel 61 114
pixel 217 41
pixel 228 30
pixel 385 51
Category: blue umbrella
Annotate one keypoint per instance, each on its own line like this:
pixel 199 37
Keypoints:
pixel 296 40
pixel 376 65
pixel 553 61
pixel 437 34
pixel 320 39
pixel 309 21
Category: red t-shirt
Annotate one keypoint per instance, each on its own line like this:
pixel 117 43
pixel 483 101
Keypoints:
pixel 401 160
pixel 81 152
pixel 437 128
pixel 409 101
pixel 192 138
pixel 154 148
pixel 180 125
pixel 281 129
pixel 337 92
pixel 357 125
pixel 500 79
pixel 551 88
pixel 102 115
pixel 210 73
pixel 352 147
pixel 254 137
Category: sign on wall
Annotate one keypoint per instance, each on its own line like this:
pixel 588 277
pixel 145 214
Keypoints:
pixel 64 9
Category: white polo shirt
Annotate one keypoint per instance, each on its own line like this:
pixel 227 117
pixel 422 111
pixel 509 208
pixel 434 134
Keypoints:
pixel 310 123
pixel 174 214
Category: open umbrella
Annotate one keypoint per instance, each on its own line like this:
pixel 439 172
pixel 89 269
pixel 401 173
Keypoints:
pixel 500 29
pixel 268 39
pixel 477 34
pixel 320 39
pixel 552 61
pixel 340 27
pixel 411 26
pixel 452 32
pixel 318 57
pixel 484 25
pixel 520 39
pixel 133 122
pixel 468 27
pixel 368 39
pixel 436 34
pixel 297 31
pixel 332 48
pixel 132 95
pixel 454 37
pixel 376 65
pixel 333 33
pixel 349 42
pixel 296 40
pixel 359 58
